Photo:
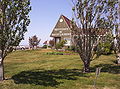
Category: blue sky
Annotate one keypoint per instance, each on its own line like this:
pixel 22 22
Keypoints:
pixel 44 15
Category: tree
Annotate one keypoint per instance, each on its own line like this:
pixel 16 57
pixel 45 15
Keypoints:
pixel 34 41
pixel 94 19
pixel 14 20
pixel 117 44
pixel 52 43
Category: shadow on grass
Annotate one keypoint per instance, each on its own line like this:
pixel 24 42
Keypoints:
pixel 114 61
pixel 110 68
pixel 47 77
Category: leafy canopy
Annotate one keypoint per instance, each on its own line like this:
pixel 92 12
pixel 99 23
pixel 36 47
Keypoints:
pixel 34 41
pixel 14 20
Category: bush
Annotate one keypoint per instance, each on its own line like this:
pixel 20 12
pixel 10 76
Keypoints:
pixel 72 48
pixel 60 45
pixel 104 48
pixel 55 53
pixel 45 46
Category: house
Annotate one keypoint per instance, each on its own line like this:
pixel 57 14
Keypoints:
pixel 62 31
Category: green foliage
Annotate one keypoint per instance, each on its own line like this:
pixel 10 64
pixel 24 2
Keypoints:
pixel 60 45
pixel 105 47
pixel 54 53
pixel 14 20
pixel 34 41
pixel 44 46
pixel 71 48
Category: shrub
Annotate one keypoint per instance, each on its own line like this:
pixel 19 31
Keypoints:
pixel 44 46
pixel 60 45
pixel 72 48
pixel 104 48
pixel 55 53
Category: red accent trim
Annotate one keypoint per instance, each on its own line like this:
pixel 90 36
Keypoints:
pixel 67 20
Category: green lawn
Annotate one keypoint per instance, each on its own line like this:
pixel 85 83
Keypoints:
pixel 36 70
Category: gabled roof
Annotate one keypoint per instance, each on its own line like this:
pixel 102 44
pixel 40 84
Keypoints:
pixel 66 23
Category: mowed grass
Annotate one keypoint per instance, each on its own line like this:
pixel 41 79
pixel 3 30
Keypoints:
pixel 32 69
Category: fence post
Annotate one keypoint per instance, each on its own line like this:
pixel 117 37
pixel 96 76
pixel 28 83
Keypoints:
pixel 97 73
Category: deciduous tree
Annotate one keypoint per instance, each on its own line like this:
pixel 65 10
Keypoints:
pixel 94 19
pixel 14 20
pixel 34 41
pixel 52 43
pixel 117 44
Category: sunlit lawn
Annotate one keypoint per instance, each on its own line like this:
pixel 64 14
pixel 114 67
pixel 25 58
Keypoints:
pixel 36 70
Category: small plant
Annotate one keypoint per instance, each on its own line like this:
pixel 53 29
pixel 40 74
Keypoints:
pixel 71 48
pixel 60 45
pixel 44 46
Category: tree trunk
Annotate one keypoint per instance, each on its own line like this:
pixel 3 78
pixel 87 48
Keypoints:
pixel 86 68
pixel 1 71
pixel 118 58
